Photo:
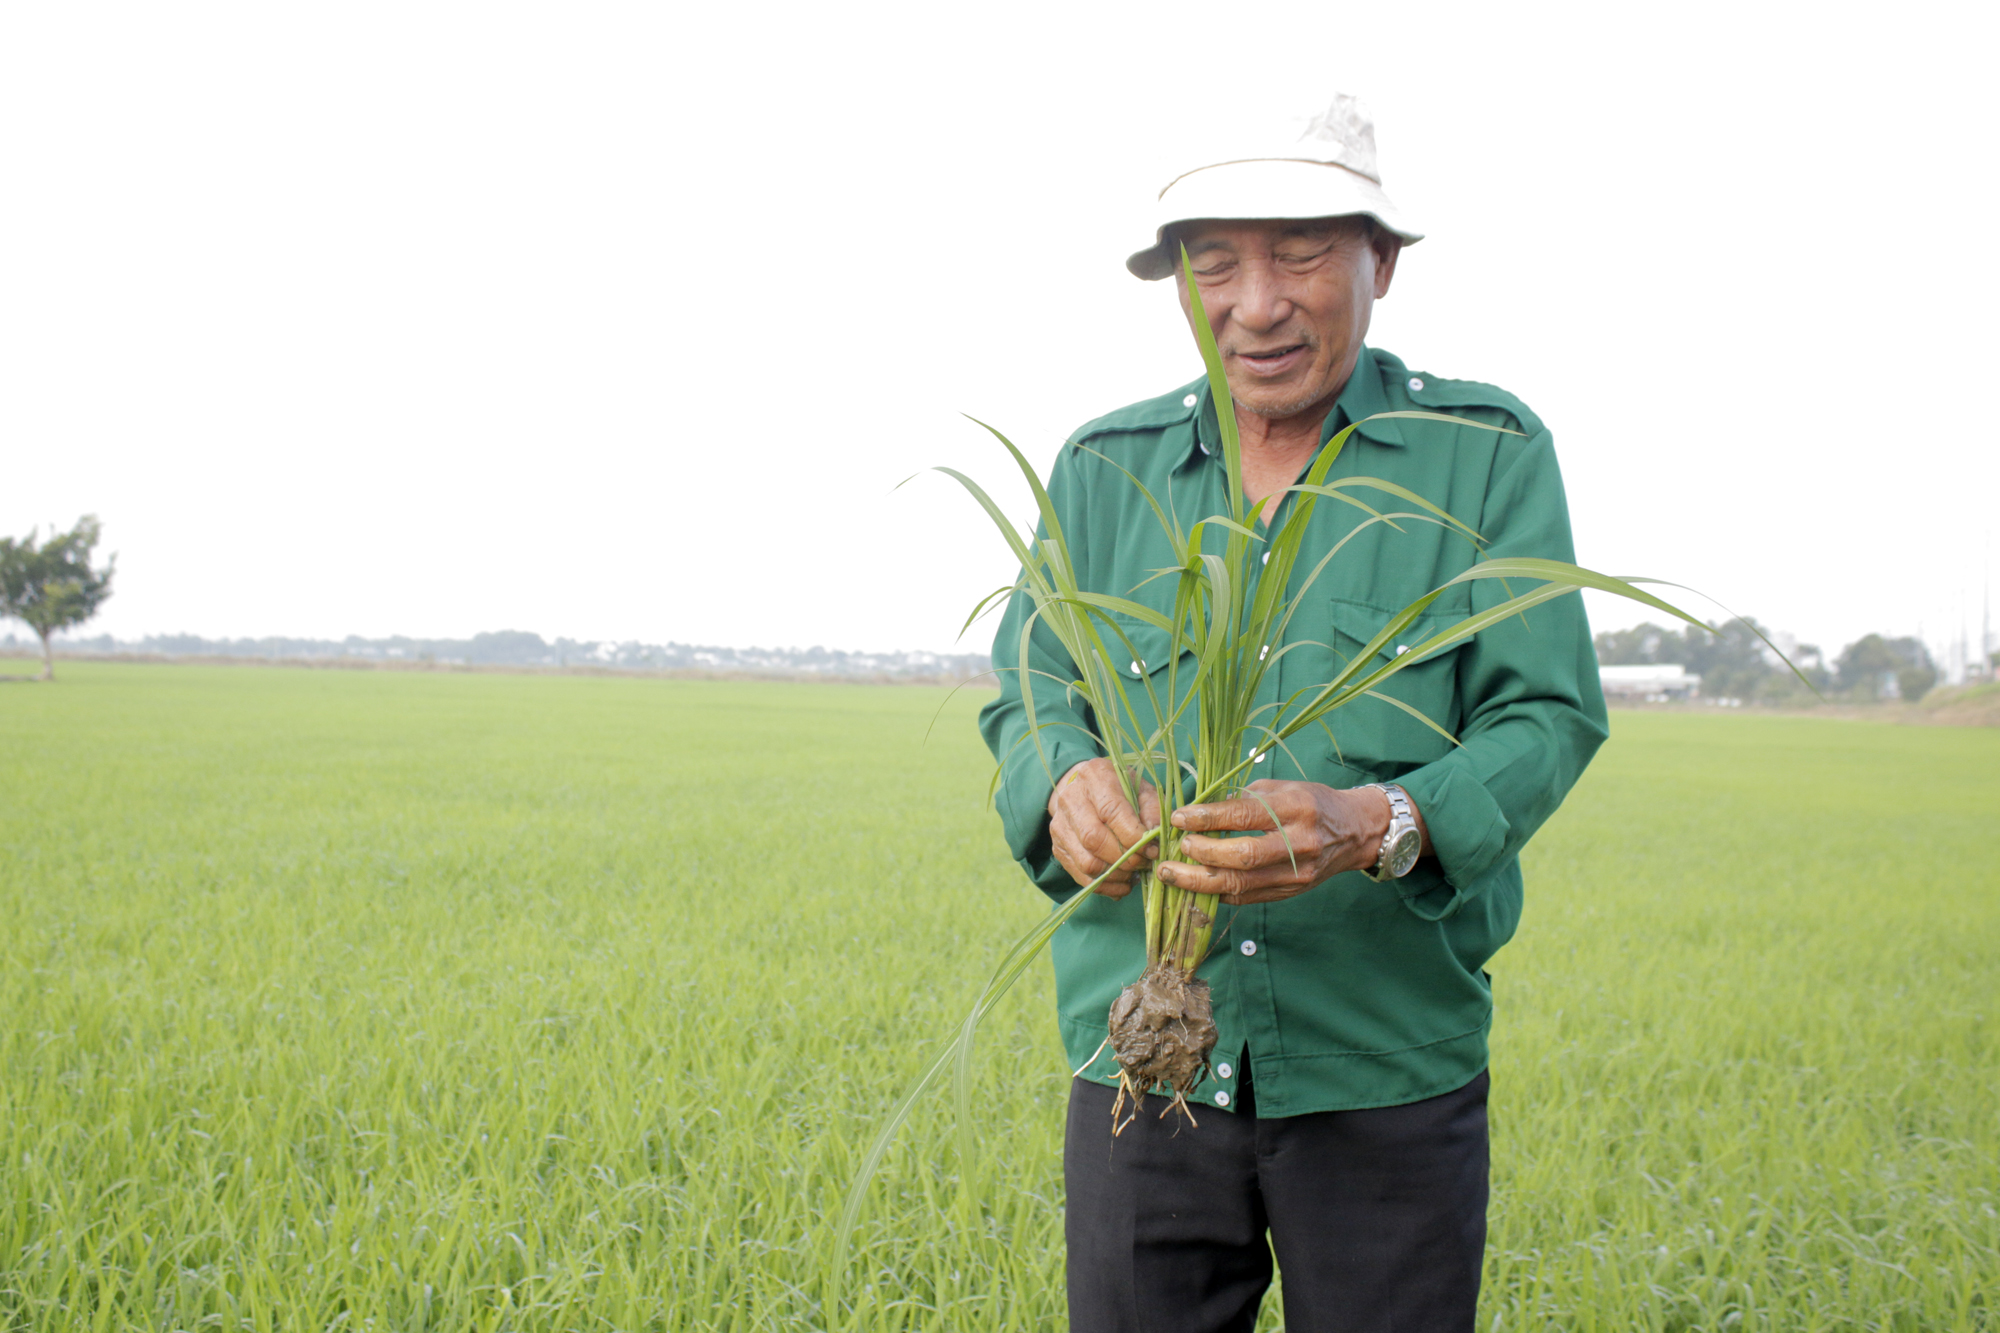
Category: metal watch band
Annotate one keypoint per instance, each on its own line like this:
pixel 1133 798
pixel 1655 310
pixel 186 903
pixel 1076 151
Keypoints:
pixel 1401 820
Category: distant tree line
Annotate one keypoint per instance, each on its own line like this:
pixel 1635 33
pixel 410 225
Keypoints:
pixel 521 648
pixel 1734 663
pixel 52 586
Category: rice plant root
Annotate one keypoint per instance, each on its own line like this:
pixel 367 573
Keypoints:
pixel 1162 1031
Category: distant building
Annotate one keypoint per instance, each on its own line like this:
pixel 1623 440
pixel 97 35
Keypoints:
pixel 1653 684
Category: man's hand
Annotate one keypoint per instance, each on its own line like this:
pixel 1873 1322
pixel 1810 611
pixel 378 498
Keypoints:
pixel 1091 825
pixel 1328 831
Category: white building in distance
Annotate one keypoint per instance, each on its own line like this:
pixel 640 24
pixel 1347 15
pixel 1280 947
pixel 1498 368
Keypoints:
pixel 1654 684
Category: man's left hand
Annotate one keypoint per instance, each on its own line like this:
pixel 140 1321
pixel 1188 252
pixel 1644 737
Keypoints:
pixel 1325 831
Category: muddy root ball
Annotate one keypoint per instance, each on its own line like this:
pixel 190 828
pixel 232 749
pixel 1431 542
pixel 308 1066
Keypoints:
pixel 1162 1030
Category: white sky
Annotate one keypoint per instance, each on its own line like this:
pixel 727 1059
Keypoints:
pixel 622 321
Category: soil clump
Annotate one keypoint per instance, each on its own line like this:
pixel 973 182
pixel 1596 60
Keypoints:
pixel 1162 1031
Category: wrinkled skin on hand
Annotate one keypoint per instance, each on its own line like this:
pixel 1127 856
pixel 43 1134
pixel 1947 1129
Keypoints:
pixel 1326 831
pixel 1091 825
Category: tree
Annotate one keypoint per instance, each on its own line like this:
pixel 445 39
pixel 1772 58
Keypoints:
pixel 1873 667
pixel 1642 645
pixel 52 585
pixel 1732 659
pixel 1918 672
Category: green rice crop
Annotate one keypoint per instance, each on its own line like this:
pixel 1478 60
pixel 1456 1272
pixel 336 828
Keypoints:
pixel 438 1001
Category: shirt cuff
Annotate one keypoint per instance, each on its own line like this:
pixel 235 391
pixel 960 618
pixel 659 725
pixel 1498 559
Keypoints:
pixel 1468 835
pixel 1023 803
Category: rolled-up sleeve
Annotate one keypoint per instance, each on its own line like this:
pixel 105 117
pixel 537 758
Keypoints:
pixel 1532 706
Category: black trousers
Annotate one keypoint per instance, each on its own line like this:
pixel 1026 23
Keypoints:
pixel 1377 1217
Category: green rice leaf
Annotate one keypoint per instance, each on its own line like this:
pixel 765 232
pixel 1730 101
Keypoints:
pixel 1570 576
pixel 1440 416
pixel 1123 606
pixel 1043 504
pixel 1173 534
pixel 1218 388
pixel 1231 525
pixel 987 603
pixel 1335 489
pixel 1416 713
pixel 1015 542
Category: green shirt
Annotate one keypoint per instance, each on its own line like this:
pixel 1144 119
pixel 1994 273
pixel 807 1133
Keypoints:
pixel 1354 993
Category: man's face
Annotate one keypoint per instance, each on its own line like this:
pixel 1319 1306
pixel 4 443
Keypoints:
pixel 1289 302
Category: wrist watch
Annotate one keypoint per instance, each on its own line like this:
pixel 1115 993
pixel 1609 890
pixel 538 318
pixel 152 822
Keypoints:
pixel 1402 843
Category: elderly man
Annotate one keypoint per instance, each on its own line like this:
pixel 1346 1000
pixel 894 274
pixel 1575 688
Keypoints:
pixel 1342 1123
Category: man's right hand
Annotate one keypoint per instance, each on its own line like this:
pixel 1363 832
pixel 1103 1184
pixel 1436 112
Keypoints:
pixel 1091 825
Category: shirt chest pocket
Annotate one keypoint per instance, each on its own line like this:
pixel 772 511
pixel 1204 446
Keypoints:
pixel 1374 737
pixel 1145 679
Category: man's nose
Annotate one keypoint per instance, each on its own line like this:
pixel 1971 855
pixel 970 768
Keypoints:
pixel 1262 302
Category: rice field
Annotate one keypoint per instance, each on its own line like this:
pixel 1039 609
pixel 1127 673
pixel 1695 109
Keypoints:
pixel 400 1001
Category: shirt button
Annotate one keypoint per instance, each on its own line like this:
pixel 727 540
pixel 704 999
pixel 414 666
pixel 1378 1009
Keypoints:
pixel 1135 669
pixel 1222 1099
pixel 1189 401
pixel 1416 385
pixel 1249 948
pixel 1258 758
pixel 1402 648
pixel 1223 1070
pixel 1267 557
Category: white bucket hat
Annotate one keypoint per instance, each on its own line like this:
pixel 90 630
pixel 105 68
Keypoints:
pixel 1328 171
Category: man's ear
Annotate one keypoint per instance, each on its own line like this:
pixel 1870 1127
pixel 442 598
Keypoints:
pixel 1387 246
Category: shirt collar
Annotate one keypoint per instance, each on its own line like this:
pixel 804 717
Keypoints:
pixel 1362 398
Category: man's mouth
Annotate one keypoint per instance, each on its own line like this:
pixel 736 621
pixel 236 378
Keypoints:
pixel 1273 360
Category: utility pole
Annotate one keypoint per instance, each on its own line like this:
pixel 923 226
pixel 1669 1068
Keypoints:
pixel 1986 620
pixel 1982 666
pixel 1961 649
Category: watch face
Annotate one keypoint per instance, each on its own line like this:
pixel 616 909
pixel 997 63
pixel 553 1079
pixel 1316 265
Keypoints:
pixel 1403 853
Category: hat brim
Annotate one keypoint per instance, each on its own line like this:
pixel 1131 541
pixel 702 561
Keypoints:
pixel 1265 188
